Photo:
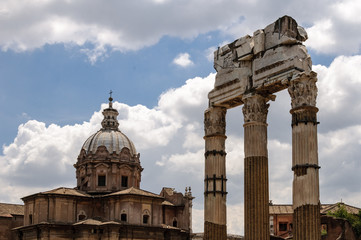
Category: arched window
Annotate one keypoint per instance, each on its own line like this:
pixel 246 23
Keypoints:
pixel 123 217
pixel 81 216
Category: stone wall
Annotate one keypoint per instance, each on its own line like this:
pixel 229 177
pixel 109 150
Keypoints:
pixel 337 228
pixel 7 223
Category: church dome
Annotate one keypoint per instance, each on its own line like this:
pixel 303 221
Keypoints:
pixel 109 135
pixel 113 140
pixel 108 161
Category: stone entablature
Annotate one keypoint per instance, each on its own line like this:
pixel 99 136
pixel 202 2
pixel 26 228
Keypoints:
pixel 264 63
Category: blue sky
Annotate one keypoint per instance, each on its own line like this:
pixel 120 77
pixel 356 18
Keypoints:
pixel 65 78
pixel 60 59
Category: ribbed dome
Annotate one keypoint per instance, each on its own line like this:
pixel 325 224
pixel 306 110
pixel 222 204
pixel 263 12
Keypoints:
pixel 109 135
pixel 113 140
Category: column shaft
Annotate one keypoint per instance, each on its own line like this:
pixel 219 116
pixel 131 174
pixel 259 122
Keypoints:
pixel 256 193
pixel 306 196
pixel 215 218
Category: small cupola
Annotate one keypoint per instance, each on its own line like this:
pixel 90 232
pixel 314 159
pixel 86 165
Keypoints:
pixel 110 121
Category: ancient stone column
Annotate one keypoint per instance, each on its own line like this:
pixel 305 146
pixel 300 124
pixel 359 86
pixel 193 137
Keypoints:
pixel 215 218
pixel 256 194
pixel 306 196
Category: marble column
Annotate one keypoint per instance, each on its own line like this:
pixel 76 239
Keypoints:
pixel 306 196
pixel 215 218
pixel 256 193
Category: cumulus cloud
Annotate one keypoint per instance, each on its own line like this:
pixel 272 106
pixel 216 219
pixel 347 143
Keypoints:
pixel 339 86
pixel 169 137
pixel 183 60
pixel 235 221
pixel 42 156
pixel 121 26
pixel 99 28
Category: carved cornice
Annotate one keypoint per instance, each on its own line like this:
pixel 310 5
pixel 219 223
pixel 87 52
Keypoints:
pixel 215 121
pixel 303 90
pixel 255 109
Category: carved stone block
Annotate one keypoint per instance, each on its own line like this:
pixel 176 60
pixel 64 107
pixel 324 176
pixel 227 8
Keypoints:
pixel 258 41
pixel 244 48
pixel 263 63
pixel 278 60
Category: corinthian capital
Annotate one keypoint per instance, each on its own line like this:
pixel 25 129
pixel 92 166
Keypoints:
pixel 255 109
pixel 215 121
pixel 303 90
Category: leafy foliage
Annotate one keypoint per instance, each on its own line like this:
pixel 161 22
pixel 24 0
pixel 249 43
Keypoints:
pixel 354 219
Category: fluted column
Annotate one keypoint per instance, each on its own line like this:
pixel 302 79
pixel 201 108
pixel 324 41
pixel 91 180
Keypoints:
pixel 256 193
pixel 306 196
pixel 215 218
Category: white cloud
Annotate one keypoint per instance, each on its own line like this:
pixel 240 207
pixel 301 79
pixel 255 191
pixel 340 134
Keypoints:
pixel 42 156
pixel 99 28
pixel 235 221
pixel 339 97
pixel 321 36
pixel 120 26
pixel 210 53
pixel 348 10
pixel 183 60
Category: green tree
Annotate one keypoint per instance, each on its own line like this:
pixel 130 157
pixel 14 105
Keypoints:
pixel 354 219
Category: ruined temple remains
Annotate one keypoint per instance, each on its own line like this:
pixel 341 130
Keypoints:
pixel 249 71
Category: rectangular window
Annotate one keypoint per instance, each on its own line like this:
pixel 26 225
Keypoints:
pixel 124 181
pixel 145 219
pixel 101 181
pixel 123 217
pixel 282 226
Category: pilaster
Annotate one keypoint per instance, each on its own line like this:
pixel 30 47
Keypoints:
pixel 256 193
pixel 306 196
pixel 215 191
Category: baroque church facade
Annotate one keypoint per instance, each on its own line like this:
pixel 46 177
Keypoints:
pixel 107 202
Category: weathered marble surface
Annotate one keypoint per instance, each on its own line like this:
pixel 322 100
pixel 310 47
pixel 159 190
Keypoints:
pixel 262 63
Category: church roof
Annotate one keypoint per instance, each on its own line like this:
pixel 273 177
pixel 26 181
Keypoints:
pixel 96 222
pixel 167 203
pixel 62 191
pixel 325 208
pixel 74 192
pixel 67 191
pixel 135 191
pixel 8 210
pixel 89 221
pixel 280 209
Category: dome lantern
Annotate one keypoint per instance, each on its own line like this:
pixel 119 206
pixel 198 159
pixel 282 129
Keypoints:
pixel 110 114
